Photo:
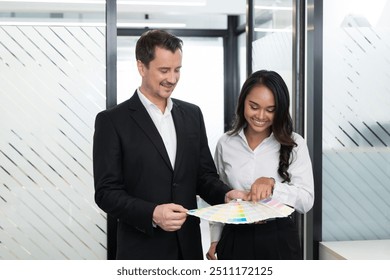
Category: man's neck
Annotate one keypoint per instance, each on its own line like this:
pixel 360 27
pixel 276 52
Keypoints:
pixel 161 103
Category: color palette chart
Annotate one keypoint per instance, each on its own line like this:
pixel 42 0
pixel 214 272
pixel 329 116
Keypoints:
pixel 243 212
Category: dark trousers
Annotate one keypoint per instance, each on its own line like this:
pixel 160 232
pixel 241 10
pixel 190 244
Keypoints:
pixel 274 240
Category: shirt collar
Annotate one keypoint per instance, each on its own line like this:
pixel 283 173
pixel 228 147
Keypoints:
pixel 242 135
pixel 149 104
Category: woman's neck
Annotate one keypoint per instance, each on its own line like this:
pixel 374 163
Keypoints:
pixel 254 139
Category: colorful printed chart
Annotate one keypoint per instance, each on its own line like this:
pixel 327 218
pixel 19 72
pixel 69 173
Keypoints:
pixel 243 212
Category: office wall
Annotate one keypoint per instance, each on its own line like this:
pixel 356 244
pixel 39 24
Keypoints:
pixel 356 124
pixel 52 85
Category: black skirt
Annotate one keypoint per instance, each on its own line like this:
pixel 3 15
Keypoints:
pixel 277 239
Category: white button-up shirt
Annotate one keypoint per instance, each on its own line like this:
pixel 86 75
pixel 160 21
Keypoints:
pixel 239 166
pixel 164 124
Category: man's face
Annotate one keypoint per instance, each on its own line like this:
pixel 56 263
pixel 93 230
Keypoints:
pixel 161 77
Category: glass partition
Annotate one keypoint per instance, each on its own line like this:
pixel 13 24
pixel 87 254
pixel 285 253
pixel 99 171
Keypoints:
pixel 52 80
pixel 356 127
pixel 272 42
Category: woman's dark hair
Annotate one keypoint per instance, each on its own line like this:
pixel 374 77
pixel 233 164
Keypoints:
pixel 147 43
pixel 282 126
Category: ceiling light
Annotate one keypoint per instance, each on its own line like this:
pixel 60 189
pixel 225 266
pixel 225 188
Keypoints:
pixel 51 23
pixel 151 24
pixel 121 2
pixel 164 3
pixel 59 2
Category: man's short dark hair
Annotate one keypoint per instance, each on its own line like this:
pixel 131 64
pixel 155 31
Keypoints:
pixel 147 43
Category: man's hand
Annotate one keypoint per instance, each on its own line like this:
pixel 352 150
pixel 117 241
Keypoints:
pixel 169 217
pixel 236 194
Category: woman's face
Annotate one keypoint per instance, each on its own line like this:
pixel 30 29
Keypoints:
pixel 259 110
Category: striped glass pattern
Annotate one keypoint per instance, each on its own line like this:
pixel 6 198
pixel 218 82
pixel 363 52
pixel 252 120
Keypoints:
pixel 356 123
pixel 52 85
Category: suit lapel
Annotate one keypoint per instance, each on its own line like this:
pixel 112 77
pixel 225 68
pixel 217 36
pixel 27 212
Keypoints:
pixel 180 127
pixel 145 122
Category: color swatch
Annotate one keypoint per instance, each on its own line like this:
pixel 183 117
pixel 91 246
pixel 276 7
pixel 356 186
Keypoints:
pixel 243 212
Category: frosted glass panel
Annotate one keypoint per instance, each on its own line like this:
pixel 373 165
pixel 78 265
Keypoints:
pixel 52 86
pixel 272 45
pixel 356 123
pixel 274 52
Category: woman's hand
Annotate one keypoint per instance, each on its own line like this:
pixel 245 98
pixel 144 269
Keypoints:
pixel 212 251
pixel 262 188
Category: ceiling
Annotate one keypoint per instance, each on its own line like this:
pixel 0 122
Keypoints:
pixel 195 14
pixel 166 6
pixel 178 13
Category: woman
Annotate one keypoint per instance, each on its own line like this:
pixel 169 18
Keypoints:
pixel 262 148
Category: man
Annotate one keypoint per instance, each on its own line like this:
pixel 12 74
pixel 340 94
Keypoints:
pixel 151 158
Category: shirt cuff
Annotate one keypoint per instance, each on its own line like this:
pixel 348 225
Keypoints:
pixel 215 231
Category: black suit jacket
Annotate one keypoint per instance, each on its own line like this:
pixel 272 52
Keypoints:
pixel 133 174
